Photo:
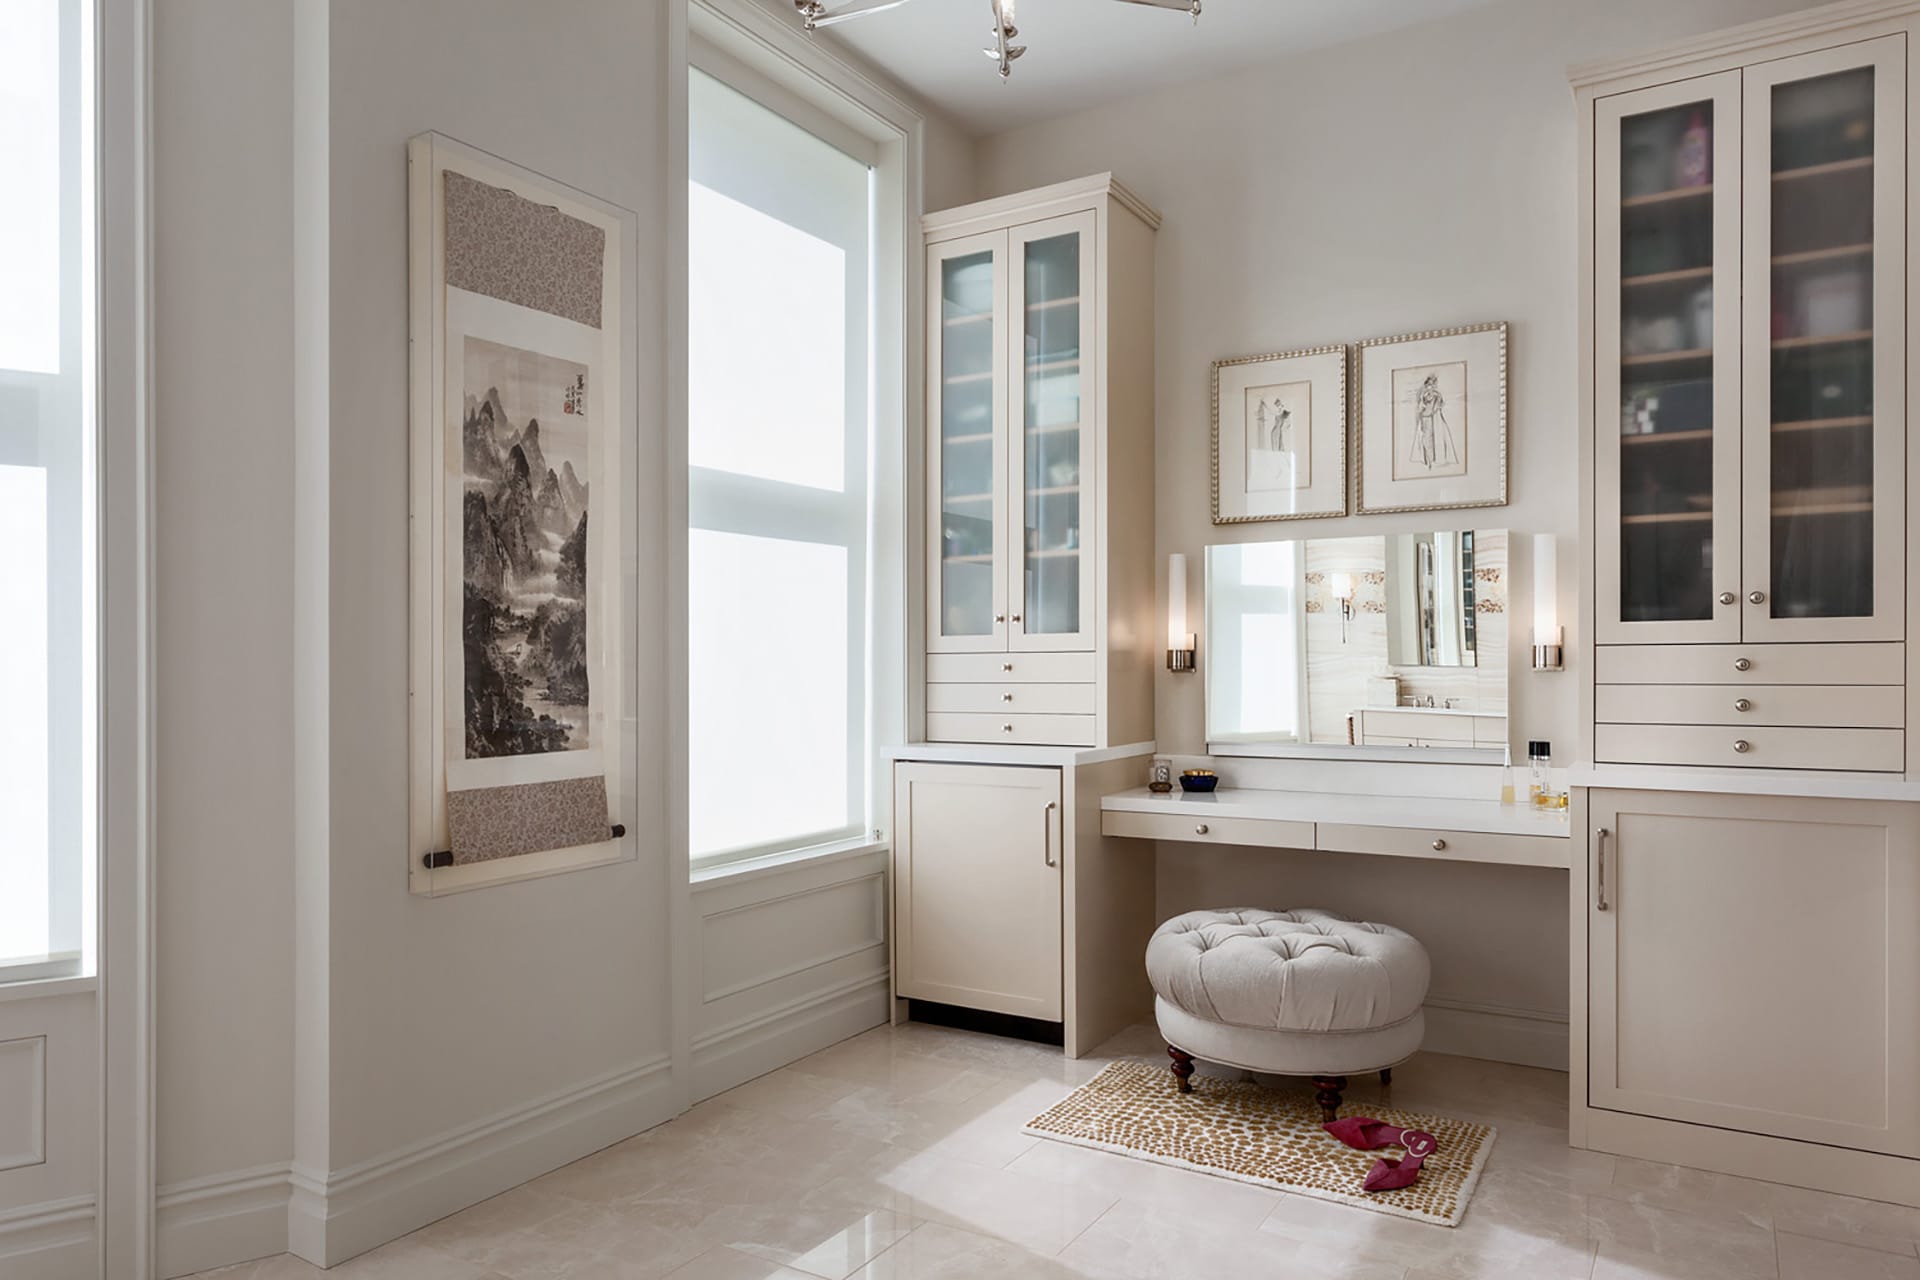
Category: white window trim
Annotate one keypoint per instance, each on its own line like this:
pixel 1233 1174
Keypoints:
pixel 744 44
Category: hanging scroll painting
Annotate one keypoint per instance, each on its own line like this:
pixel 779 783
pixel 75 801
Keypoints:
pixel 516 606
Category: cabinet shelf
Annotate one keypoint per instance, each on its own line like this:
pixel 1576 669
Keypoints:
pixel 1670 517
pixel 961 379
pixel 1825 340
pixel 1052 304
pixel 1822 255
pixel 1054 490
pixel 1666 277
pixel 1064 429
pixel 1052 366
pixel 955 322
pixel 1055 553
pixel 1821 170
pixel 967 499
pixel 1667 197
pixel 1668 357
pixel 986 558
pixel 1822 424
pixel 1669 437
pixel 975 437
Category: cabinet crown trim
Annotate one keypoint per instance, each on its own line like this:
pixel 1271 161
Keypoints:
pixel 1742 42
pixel 1088 188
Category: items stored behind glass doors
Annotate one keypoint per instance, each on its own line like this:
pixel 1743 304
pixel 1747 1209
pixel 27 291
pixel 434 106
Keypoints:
pixel 1750 375
pixel 1039 424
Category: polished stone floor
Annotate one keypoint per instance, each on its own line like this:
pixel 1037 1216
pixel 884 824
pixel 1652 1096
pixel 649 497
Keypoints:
pixel 898 1155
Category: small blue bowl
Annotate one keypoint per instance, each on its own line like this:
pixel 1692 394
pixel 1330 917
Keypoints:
pixel 1199 781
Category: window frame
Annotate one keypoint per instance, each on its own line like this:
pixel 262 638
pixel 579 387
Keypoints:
pixel 752 52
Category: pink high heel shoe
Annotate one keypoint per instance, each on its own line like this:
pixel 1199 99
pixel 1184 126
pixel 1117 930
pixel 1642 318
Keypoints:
pixel 1363 1133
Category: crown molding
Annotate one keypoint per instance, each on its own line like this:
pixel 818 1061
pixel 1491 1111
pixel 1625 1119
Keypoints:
pixel 1742 41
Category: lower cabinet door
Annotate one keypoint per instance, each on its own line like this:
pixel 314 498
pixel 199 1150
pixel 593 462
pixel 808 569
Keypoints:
pixel 1754 964
pixel 977 885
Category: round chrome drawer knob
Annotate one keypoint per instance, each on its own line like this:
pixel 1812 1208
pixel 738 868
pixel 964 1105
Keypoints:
pixel 1006 666
pixel 1743 746
pixel 1007 697
pixel 1438 845
pixel 1756 597
pixel 1741 704
pixel 1727 597
pixel 1743 664
pixel 1006 728
pixel 1200 830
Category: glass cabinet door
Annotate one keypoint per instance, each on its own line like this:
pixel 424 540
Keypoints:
pixel 1052 278
pixel 967 463
pixel 1667 184
pixel 1824 454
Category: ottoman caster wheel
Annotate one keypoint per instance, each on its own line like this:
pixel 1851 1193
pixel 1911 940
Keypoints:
pixel 1327 1093
pixel 1182 1068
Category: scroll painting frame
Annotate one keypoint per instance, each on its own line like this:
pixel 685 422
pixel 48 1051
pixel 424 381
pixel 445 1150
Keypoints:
pixel 546 344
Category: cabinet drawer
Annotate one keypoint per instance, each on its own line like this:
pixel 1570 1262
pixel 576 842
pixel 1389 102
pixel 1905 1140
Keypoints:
pixel 1199 828
pixel 1458 846
pixel 1049 731
pixel 1847 706
pixel 1422 726
pixel 1863 750
pixel 1011 668
pixel 1765 664
pixel 1002 698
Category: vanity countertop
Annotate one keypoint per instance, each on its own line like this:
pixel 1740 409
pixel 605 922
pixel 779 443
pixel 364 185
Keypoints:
pixel 1419 812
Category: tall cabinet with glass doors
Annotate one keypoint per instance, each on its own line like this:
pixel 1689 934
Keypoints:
pixel 1750 408
pixel 1039 448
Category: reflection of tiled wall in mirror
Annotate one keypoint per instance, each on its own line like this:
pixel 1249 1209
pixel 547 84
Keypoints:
pixel 1338 666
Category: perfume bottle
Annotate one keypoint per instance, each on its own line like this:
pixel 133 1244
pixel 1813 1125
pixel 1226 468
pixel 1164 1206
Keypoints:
pixel 1693 160
pixel 1506 778
pixel 1539 760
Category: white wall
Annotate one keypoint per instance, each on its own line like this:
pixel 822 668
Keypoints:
pixel 1418 179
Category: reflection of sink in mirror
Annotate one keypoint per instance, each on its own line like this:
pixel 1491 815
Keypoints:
pixel 1310 642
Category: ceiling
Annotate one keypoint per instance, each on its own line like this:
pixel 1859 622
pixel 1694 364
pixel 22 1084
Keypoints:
pixel 1082 53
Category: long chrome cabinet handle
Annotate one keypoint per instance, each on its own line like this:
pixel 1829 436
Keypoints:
pixel 1046 838
pixel 1600 839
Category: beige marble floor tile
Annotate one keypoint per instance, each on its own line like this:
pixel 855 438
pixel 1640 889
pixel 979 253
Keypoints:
pixel 898 1155
pixel 726 1264
pixel 1805 1258
pixel 937 1251
pixel 1639 1240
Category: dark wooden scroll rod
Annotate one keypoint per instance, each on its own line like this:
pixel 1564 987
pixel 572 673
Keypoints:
pixel 444 858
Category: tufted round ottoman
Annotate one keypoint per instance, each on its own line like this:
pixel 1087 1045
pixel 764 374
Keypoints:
pixel 1291 993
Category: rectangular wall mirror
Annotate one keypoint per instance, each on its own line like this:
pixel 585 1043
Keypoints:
pixel 1391 647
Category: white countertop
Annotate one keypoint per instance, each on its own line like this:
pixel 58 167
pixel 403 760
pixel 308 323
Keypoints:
pixel 1446 814
pixel 1746 782
pixel 1010 753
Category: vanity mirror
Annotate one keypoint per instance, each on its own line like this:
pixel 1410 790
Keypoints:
pixel 1392 647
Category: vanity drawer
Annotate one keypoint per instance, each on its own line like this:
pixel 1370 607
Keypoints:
pixel 1861 750
pixel 1460 846
pixel 1416 726
pixel 1012 668
pixel 998 699
pixel 1763 664
pixel 1849 706
pixel 1039 731
pixel 1202 828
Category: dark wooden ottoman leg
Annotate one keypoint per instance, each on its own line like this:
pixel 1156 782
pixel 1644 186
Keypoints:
pixel 1386 1075
pixel 1329 1089
pixel 1182 1067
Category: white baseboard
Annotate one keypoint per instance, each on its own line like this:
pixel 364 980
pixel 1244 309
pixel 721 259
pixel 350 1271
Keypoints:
pixel 51 1241
pixel 741 1051
pixel 335 1216
pixel 221 1219
pixel 1526 1037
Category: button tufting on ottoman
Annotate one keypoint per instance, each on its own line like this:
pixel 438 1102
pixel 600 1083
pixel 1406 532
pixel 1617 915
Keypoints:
pixel 1303 992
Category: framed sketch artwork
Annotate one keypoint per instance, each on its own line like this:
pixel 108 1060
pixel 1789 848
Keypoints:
pixel 1431 430
pixel 1280 436
pixel 518 620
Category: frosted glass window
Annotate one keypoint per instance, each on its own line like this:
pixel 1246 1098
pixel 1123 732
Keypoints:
pixel 48 739
pixel 1254 624
pixel 779 441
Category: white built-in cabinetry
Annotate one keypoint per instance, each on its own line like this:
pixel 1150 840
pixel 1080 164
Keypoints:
pixel 1039 463
pixel 1749 401
pixel 1746 959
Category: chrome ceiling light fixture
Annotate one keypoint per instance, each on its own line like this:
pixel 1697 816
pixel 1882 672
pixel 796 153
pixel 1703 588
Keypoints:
pixel 817 13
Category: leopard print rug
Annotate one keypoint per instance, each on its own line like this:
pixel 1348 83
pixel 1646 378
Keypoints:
pixel 1270 1137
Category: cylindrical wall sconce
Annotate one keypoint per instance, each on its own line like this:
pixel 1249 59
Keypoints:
pixel 1548 636
pixel 1180 641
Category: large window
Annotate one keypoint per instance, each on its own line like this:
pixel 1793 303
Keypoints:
pixel 780 449
pixel 47 545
